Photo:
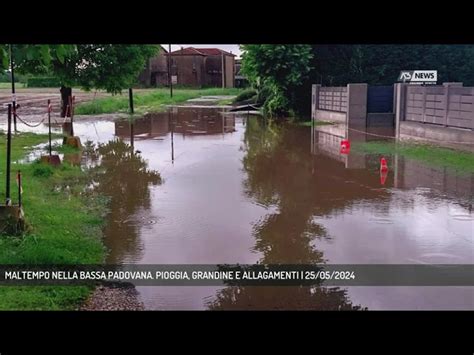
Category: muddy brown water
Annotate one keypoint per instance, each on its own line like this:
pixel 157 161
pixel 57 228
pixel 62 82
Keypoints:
pixel 237 189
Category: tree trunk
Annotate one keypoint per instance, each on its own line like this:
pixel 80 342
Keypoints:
pixel 66 93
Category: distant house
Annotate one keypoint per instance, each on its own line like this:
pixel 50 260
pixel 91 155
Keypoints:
pixel 156 70
pixel 203 67
pixel 194 67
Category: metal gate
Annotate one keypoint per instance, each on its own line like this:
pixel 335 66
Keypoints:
pixel 380 106
pixel 380 99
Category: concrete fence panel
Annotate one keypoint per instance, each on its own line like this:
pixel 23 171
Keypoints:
pixel 450 106
pixel 333 99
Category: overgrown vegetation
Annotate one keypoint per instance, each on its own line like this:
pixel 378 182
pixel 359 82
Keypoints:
pixel 247 94
pixel 283 74
pixel 43 82
pixel 65 227
pixel 310 123
pixel 5 77
pixel 149 101
pixel 275 70
pixel 462 162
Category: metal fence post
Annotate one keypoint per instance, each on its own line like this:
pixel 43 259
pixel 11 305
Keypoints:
pixel 446 104
pixel 9 145
pixel 314 100
pixel 424 104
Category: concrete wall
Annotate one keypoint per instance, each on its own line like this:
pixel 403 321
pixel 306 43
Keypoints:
pixel 445 136
pixel 449 105
pixel 357 105
pixel 333 98
pixel 443 115
pixel 340 104
pixel 439 114
pixel 331 116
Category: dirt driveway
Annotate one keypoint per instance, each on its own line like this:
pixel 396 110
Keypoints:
pixel 33 101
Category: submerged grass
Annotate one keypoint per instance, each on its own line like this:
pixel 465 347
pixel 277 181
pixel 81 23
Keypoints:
pixel 429 154
pixel 65 227
pixel 149 101
pixel 316 123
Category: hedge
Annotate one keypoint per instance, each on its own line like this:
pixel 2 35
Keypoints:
pixel 43 82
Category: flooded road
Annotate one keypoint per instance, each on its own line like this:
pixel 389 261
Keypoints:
pixel 209 188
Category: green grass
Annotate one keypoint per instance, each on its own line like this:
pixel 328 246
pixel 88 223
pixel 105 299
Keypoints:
pixel 9 85
pixel 146 102
pixel 316 123
pixel 225 102
pixel 429 154
pixel 64 227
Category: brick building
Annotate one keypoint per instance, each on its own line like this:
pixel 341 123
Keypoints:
pixel 194 67
pixel 156 70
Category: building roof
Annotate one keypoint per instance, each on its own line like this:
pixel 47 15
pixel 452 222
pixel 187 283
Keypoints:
pixel 201 51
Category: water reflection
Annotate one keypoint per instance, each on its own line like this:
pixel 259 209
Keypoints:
pixel 279 172
pixel 123 176
pixel 184 121
pixel 282 298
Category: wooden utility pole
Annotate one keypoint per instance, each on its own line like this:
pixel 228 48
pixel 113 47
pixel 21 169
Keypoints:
pixel 12 67
pixel 130 99
pixel 170 80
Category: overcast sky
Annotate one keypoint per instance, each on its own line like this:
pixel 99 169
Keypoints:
pixel 234 48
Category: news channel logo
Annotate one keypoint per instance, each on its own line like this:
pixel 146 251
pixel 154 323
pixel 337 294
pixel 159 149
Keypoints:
pixel 419 77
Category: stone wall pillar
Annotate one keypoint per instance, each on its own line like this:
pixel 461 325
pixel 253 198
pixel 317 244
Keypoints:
pixel 357 105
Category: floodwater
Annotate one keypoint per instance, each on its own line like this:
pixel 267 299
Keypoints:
pixel 211 188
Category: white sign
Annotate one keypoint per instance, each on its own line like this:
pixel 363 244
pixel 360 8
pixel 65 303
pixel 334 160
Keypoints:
pixel 174 79
pixel 419 76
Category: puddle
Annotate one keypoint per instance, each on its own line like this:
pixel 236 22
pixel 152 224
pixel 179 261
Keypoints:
pixel 236 189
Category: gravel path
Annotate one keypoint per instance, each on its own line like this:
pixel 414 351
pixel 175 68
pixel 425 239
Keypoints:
pixel 113 297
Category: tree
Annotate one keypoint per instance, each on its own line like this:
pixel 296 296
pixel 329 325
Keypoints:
pixel 276 70
pixel 109 67
pixel 32 58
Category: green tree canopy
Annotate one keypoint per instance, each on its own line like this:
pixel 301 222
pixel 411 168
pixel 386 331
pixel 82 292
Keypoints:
pixel 110 67
pixel 276 70
pixel 33 58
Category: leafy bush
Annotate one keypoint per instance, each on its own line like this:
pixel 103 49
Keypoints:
pixel 276 71
pixel 43 82
pixel 276 103
pixel 41 170
pixel 5 77
pixel 246 95
pixel 263 94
